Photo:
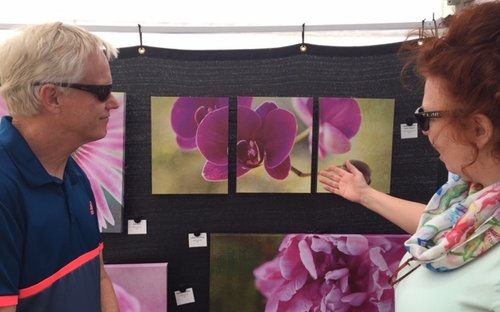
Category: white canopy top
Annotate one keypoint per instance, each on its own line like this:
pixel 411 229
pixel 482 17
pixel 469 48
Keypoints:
pixel 229 24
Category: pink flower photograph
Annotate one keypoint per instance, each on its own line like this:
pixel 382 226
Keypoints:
pixel 303 272
pixel 189 144
pixel 357 129
pixel 272 147
pixel 140 287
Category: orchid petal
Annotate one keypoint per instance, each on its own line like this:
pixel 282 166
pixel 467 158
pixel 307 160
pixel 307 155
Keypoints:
pixel 212 137
pixel 245 101
pixel 249 124
pixel 342 113
pixel 265 108
pixel 183 113
pixel 304 108
pixel 281 171
pixel 213 172
pixel 186 144
pixel 333 141
pixel 280 128
pixel 241 170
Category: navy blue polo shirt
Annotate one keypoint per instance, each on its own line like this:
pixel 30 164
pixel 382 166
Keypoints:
pixel 49 236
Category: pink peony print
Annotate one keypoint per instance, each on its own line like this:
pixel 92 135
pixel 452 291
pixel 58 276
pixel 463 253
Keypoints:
pixel 331 273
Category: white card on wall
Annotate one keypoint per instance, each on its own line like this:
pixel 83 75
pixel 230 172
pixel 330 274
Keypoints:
pixel 184 297
pixel 137 227
pixel 409 131
pixel 197 240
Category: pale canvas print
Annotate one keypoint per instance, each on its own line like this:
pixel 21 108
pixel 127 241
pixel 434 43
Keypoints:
pixel 182 135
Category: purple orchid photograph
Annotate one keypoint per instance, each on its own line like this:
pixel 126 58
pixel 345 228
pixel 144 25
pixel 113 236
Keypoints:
pixel 190 142
pixel 103 162
pixel 272 148
pixel 303 272
pixel 357 129
pixel 140 287
pixel 179 147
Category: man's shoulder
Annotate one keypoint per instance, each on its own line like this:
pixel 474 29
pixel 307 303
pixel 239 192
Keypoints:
pixel 7 166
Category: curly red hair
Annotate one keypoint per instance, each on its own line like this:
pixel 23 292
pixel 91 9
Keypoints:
pixel 466 58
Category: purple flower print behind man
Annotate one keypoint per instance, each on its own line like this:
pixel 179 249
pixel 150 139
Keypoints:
pixel 264 137
pixel 339 121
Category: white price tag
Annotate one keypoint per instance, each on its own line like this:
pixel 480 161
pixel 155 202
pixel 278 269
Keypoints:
pixel 199 240
pixel 137 227
pixel 184 297
pixel 409 132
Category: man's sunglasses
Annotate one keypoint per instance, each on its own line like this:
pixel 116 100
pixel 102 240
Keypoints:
pixel 101 92
pixel 423 118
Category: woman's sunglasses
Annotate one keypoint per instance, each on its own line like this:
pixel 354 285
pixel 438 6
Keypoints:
pixel 101 92
pixel 423 118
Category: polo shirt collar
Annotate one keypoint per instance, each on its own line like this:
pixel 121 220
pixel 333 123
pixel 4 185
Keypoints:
pixel 25 160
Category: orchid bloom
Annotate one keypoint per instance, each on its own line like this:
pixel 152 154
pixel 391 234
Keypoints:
pixel 339 121
pixel 187 114
pixel 264 137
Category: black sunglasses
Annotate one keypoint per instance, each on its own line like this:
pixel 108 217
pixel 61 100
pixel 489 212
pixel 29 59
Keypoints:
pixel 423 118
pixel 101 92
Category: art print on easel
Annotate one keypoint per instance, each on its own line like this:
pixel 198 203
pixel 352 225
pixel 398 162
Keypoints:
pixel 103 162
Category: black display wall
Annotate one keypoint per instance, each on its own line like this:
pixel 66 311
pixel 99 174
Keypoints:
pixel 364 72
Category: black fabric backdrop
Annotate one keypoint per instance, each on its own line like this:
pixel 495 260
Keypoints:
pixel 365 72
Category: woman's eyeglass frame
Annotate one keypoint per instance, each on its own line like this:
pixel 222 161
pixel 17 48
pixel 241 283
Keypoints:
pixel 101 92
pixel 423 118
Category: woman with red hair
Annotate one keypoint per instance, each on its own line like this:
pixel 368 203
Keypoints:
pixel 453 256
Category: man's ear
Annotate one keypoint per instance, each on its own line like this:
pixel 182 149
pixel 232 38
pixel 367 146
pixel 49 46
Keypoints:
pixel 49 98
pixel 483 129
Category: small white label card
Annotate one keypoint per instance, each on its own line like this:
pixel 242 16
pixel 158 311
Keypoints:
pixel 137 226
pixel 197 240
pixel 409 132
pixel 184 297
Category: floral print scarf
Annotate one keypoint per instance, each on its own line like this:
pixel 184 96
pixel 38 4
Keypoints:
pixel 460 223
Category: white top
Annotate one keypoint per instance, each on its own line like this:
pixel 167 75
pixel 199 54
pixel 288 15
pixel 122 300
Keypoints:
pixel 473 287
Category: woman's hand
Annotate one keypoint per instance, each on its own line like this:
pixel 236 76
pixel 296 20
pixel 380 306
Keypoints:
pixel 346 181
